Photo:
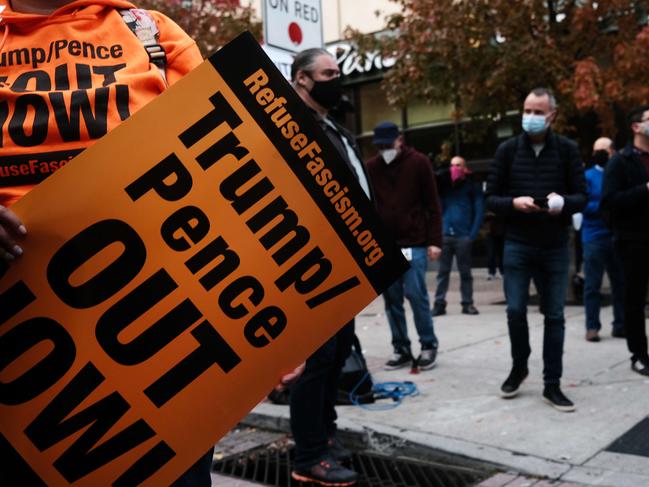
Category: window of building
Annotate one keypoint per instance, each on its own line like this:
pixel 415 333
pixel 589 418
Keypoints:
pixel 421 112
pixel 374 108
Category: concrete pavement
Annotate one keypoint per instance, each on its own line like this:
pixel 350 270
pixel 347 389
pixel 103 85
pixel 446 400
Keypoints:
pixel 459 411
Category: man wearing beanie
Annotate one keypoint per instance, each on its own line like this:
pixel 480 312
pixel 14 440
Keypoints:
pixel 407 201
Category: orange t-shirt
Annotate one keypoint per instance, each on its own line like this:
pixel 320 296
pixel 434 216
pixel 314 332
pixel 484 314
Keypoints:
pixel 69 78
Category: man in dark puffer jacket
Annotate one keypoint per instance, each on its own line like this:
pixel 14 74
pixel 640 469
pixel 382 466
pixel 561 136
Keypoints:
pixel 625 198
pixel 536 182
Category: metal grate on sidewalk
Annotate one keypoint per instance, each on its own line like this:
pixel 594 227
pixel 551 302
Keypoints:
pixel 272 466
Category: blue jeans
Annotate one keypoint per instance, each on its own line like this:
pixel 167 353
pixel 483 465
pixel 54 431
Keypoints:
pixel 412 285
pixel 461 248
pixel 600 256
pixel 548 267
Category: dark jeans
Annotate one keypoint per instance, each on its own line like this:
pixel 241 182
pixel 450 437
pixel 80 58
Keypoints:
pixel 600 256
pixel 460 247
pixel 635 262
pixel 198 474
pixel 495 244
pixel 548 267
pixel 313 397
pixel 413 285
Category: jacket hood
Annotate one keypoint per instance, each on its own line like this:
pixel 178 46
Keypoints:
pixel 74 8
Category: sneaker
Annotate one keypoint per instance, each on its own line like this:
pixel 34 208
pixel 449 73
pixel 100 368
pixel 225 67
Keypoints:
pixel 592 336
pixel 398 361
pixel 511 385
pixel 438 310
pixel 618 333
pixel 469 309
pixel 640 365
pixel 328 472
pixel 337 451
pixel 491 277
pixel 426 359
pixel 554 397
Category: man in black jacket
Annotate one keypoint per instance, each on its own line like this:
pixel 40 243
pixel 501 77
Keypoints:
pixel 625 201
pixel 318 455
pixel 536 182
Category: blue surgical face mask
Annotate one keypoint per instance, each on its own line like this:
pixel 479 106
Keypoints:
pixel 534 124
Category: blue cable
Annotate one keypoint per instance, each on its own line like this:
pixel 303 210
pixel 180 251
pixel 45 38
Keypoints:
pixel 382 390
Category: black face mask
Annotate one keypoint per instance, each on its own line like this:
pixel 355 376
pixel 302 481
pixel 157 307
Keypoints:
pixel 327 93
pixel 600 158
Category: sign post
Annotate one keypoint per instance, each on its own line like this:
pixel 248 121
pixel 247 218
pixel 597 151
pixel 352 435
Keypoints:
pixel 173 272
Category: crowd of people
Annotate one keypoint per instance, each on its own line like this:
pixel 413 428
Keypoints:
pixel 535 184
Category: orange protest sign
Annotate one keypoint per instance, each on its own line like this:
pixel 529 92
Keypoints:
pixel 173 271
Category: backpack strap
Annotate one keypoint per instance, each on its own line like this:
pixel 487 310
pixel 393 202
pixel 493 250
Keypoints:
pixel 143 25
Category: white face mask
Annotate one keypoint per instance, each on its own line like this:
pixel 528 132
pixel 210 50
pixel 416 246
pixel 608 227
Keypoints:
pixel 389 155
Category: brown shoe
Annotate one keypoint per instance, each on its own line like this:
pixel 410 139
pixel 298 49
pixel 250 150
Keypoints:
pixel 592 336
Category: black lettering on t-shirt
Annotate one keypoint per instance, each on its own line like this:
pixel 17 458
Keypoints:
pixel 69 124
pixel 41 82
pixel 37 133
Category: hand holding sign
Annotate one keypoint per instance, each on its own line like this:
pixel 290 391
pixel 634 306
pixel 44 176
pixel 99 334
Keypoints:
pixel 213 260
pixel 11 228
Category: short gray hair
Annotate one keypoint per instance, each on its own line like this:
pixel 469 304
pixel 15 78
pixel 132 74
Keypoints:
pixel 305 60
pixel 540 91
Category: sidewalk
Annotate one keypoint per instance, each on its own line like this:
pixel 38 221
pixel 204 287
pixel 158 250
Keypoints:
pixel 459 410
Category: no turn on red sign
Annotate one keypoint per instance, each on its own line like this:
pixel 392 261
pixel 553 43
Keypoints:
pixel 293 25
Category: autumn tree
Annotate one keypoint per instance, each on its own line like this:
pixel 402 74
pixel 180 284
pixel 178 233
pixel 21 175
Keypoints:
pixel 211 23
pixel 484 56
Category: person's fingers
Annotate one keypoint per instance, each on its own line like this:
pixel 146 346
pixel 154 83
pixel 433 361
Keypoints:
pixel 9 219
pixel 9 249
pixel 288 379
pixel 10 227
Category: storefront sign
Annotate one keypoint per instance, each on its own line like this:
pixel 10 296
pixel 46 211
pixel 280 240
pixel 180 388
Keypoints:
pixel 173 272
pixel 351 62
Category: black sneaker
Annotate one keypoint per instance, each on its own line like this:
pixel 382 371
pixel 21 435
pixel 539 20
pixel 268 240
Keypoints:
pixel 426 359
pixel 398 361
pixel 328 472
pixel 469 309
pixel 511 385
pixel 338 451
pixel 438 310
pixel 640 365
pixel 554 397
